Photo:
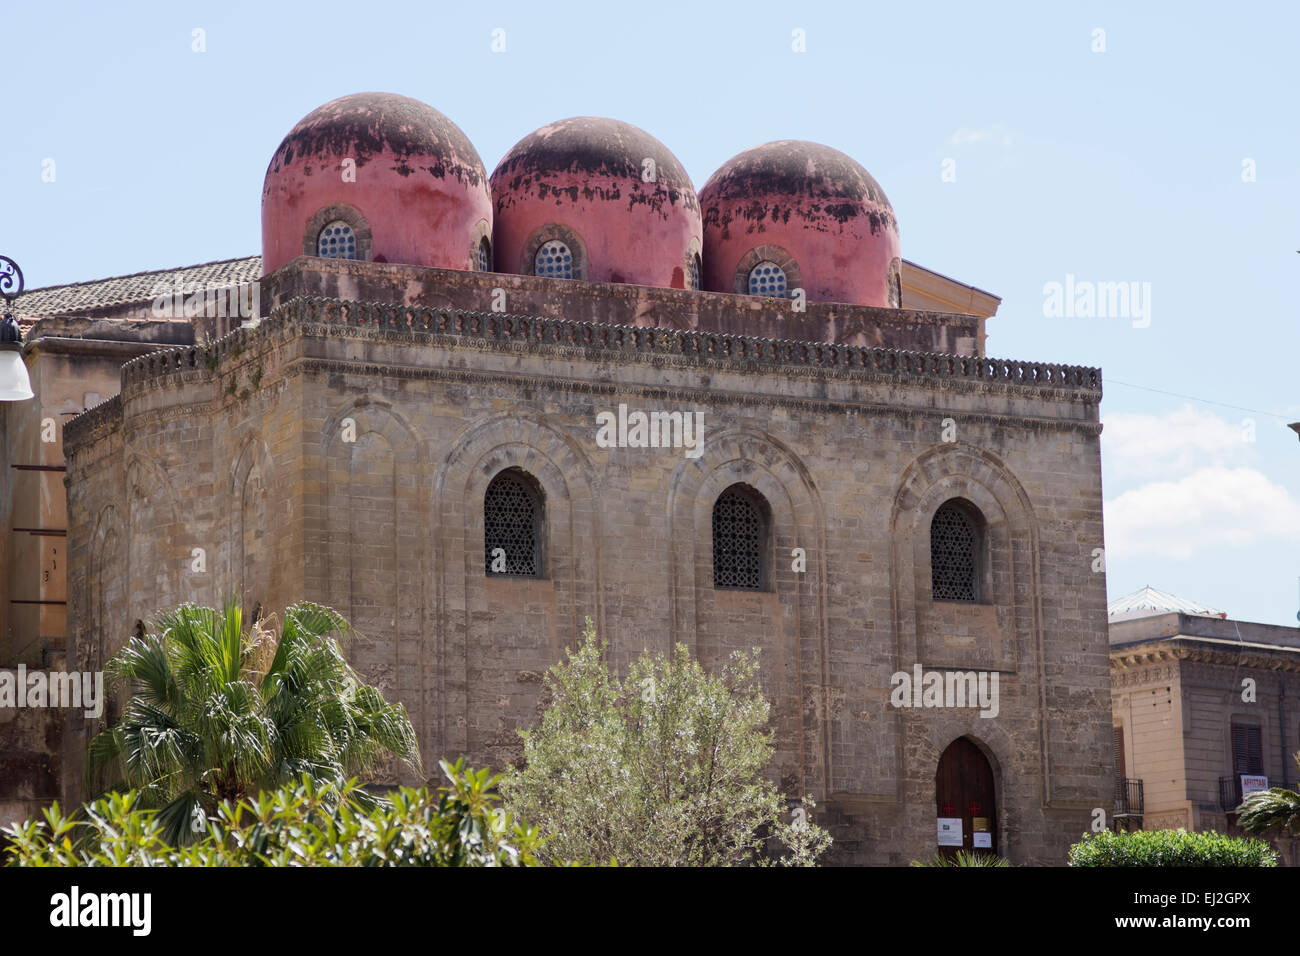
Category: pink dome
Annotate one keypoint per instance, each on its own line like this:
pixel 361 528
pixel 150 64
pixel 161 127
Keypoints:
pixel 415 190
pixel 793 214
pixel 596 199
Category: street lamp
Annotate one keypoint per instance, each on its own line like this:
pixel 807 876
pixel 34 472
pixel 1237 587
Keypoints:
pixel 15 386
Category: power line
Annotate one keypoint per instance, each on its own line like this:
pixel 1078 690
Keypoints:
pixel 1193 398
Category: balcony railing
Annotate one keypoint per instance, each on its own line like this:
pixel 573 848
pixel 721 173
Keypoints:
pixel 1230 793
pixel 1128 798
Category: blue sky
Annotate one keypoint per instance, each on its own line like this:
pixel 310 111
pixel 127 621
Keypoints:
pixel 1123 165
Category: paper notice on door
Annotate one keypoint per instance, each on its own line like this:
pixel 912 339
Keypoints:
pixel 949 831
pixel 983 840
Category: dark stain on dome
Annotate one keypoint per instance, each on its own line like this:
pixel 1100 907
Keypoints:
pixel 599 148
pixel 364 125
pixel 812 182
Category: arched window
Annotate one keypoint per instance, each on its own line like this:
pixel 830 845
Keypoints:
pixel 337 241
pixel 512 525
pixel 740 522
pixel 554 259
pixel 693 272
pixel 484 255
pixel 955 553
pixel 767 278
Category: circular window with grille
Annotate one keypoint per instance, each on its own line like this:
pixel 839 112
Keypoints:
pixel 739 536
pixel 512 525
pixel 767 278
pixel 554 259
pixel 954 554
pixel 484 255
pixel 337 241
pixel 693 272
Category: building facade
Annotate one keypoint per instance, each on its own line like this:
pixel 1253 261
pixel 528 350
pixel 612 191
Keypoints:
pixel 433 426
pixel 1203 714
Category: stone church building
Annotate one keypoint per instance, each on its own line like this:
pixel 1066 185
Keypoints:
pixel 810 454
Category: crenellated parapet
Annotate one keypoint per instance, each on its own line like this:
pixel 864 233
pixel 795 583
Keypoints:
pixel 476 329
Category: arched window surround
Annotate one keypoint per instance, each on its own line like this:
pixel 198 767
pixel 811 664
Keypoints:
pixel 339 211
pixel 548 233
pixel 347 213
pixel 481 237
pixel 767 253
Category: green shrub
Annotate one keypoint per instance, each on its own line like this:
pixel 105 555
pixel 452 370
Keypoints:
pixel 303 824
pixel 664 767
pixel 962 858
pixel 1169 848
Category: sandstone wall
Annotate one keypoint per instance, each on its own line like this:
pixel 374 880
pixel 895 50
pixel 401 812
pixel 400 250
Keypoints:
pixel 239 450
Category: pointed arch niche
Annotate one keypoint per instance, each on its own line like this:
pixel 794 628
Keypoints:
pixel 987 632
pixel 786 617
pixel 497 633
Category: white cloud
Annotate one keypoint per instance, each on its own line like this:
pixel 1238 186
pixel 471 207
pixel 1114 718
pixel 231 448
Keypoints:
pixel 1211 509
pixel 1141 446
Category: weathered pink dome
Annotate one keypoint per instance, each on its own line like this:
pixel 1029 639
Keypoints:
pixel 377 176
pixel 596 199
pixel 793 214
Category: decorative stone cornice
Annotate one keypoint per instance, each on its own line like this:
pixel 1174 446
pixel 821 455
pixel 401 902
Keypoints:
pixel 1173 650
pixel 545 335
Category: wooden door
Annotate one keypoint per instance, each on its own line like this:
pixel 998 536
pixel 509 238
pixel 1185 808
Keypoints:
pixel 964 789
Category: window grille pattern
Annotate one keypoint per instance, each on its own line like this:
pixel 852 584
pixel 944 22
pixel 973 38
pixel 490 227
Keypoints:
pixel 484 255
pixel 953 545
pixel 512 516
pixel 337 241
pixel 693 273
pixel 738 534
pixel 554 259
pixel 767 278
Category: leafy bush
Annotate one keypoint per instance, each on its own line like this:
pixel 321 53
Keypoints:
pixel 1274 809
pixel 1169 848
pixel 664 768
pixel 962 858
pixel 302 824
pixel 220 710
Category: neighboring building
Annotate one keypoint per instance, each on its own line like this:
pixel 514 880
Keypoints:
pixel 410 434
pixel 1203 712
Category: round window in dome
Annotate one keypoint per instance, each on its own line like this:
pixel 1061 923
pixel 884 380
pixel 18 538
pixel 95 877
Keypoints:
pixel 337 241
pixel 554 259
pixel 767 278
pixel 693 272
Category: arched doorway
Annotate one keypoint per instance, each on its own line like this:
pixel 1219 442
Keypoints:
pixel 965 790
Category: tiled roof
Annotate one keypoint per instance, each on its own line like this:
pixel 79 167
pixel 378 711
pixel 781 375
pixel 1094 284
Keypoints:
pixel 81 297
pixel 1148 600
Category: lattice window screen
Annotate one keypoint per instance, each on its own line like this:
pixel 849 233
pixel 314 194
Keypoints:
pixel 737 542
pixel 953 545
pixel 512 516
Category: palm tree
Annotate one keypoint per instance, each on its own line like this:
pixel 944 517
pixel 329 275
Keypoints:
pixel 1269 809
pixel 218 714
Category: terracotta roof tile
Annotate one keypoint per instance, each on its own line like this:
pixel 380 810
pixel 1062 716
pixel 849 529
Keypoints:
pixel 81 297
